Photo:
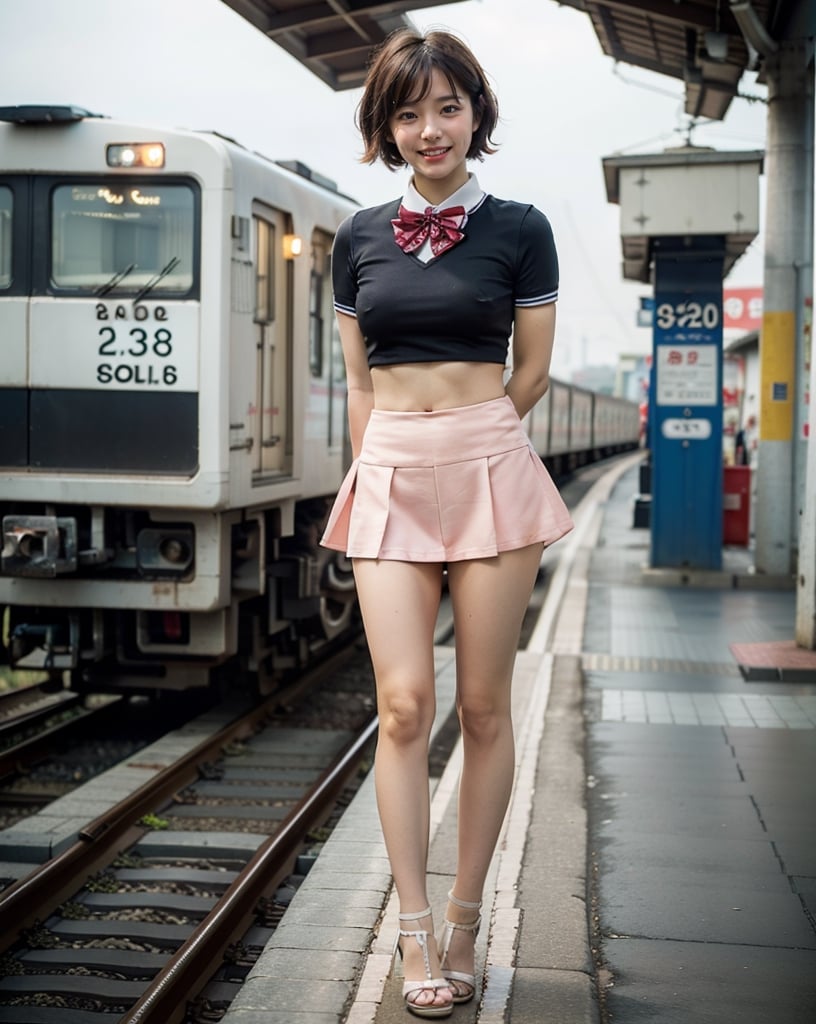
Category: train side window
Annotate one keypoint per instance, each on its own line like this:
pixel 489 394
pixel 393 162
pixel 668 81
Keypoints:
pixel 118 236
pixel 6 212
pixel 325 351
pixel 264 271
pixel 319 303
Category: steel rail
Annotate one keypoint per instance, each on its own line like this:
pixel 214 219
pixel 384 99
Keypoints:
pixel 39 695
pixel 40 892
pixel 35 748
pixel 190 968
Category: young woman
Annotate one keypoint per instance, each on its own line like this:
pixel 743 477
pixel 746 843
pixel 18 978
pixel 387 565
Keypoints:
pixel 427 291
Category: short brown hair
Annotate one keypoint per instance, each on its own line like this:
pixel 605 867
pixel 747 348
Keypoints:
pixel 401 72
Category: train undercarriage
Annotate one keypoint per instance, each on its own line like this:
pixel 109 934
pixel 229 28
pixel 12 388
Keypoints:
pixel 112 599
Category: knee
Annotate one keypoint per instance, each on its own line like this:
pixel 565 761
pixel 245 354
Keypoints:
pixel 405 717
pixel 483 721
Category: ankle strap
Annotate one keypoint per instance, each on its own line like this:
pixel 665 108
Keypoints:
pixel 416 917
pixel 464 904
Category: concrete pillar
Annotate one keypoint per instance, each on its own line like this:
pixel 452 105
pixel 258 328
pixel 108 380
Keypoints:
pixel 806 576
pixel 788 258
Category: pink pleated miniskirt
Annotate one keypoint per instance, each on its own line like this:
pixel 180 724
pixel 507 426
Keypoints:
pixel 445 486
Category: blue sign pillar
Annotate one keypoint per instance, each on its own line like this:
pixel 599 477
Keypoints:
pixel 685 405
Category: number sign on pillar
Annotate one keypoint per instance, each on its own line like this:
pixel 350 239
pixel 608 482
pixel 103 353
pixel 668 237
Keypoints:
pixel 686 411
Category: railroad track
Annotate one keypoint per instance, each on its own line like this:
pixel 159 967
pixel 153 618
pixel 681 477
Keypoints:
pixel 27 713
pixel 53 748
pixel 175 886
pixel 33 735
pixel 21 698
pixel 52 742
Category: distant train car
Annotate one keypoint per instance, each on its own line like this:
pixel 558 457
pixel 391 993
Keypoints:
pixel 615 425
pixel 571 427
pixel 172 402
pixel 172 406
pixel 556 451
pixel 581 424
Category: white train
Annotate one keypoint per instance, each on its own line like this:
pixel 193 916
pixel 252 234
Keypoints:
pixel 172 405
pixel 172 402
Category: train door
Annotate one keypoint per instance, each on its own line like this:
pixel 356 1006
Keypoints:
pixel 14 301
pixel 273 338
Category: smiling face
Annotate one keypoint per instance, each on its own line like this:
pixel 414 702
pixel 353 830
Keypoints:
pixel 433 134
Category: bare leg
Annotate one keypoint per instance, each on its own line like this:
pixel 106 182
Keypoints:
pixel 399 603
pixel 489 598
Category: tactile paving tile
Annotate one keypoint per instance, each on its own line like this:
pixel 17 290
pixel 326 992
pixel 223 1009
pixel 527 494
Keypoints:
pixel 633 663
pixel 661 707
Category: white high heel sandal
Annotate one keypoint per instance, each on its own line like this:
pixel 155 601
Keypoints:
pixel 411 988
pixel 459 977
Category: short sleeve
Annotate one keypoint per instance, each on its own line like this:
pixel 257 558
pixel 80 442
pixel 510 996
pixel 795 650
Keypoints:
pixel 344 278
pixel 536 281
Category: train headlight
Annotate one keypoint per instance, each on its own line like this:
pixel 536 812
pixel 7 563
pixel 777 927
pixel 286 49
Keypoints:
pixel 292 246
pixel 135 154
pixel 165 551
pixel 175 550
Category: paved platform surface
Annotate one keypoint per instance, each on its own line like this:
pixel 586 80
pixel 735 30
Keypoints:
pixel 658 862
pixel 702 792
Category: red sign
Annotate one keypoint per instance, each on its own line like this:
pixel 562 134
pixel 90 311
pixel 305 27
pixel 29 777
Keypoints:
pixel 742 308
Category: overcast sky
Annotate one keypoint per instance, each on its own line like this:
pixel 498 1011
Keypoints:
pixel 564 106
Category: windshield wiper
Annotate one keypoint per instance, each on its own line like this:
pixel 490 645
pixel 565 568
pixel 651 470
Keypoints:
pixel 151 284
pixel 120 275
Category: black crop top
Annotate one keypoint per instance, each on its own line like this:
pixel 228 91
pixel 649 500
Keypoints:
pixel 456 307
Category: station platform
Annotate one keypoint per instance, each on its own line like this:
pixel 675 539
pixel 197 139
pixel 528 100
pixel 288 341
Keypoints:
pixel 658 861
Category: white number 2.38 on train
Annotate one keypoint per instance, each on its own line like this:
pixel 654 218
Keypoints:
pixel 87 344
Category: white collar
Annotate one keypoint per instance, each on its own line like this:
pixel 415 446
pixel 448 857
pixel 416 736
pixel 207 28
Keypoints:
pixel 469 195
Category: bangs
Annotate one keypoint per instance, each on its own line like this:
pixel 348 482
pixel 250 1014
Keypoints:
pixel 412 80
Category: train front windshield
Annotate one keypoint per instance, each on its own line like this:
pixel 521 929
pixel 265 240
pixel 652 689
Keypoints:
pixel 116 238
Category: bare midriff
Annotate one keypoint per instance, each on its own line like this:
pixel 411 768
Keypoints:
pixel 428 387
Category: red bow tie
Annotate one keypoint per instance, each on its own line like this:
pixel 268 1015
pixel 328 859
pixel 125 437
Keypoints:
pixel 443 228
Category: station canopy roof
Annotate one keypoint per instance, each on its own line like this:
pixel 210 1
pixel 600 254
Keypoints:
pixel 708 44
pixel 333 38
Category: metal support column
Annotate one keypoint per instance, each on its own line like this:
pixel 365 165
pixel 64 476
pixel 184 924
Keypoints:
pixel 788 262
pixel 806 576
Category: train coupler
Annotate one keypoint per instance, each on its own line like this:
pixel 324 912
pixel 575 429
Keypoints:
pixel 45 645
pixel 39 546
